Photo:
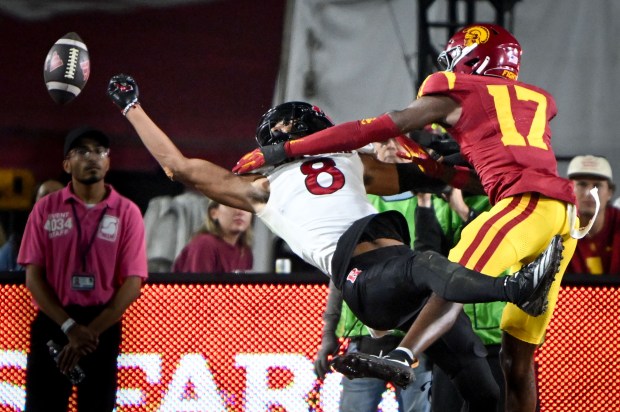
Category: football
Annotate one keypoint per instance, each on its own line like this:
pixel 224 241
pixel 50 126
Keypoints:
pixel 67 68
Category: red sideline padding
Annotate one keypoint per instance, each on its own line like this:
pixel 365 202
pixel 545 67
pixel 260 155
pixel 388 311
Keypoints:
pixel 238 347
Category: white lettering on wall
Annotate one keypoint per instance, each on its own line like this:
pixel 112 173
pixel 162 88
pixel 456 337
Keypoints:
pixel 193 369
pixel 150 363
pixel 259 397
pixel 10 394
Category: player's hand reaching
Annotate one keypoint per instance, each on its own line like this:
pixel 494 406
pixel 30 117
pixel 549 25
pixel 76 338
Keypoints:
pixel 417 154
pixel 123 90
pixel 455 176
pixel 270 155
pixel 249 162
pixel 411 150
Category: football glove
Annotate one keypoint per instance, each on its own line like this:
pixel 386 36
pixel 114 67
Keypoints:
pixel 123 90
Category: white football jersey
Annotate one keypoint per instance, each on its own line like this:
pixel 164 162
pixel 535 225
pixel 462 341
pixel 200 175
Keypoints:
pixel 313 201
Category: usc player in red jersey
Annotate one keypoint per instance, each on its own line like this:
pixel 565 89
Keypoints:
pixel 502 127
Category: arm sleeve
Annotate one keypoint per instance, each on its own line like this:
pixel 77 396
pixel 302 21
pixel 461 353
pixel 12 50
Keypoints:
pixel 410 177
pixel 466 179
pixel 333 309
pixel 344 137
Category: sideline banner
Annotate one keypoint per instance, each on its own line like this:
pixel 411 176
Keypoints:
pixel 250 347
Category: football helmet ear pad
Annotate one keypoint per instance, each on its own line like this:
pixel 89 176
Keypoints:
pixel 305 118
pixel 483 49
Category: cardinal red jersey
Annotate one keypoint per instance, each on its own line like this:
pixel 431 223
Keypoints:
pixel 504 133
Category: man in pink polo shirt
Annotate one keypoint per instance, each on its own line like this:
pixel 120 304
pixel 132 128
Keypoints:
pixel 85 258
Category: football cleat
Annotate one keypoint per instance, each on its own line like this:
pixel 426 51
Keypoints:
pixel 534 279
pixel 360 365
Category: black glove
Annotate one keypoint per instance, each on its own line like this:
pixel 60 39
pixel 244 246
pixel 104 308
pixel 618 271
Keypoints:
pixel 329 344
pixel 123 90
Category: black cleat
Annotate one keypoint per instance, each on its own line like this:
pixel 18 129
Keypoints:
pixel 360 365
pixel 534 279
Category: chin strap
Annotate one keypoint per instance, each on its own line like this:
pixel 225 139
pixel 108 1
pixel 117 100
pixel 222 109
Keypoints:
pixel 579 233
pixel 485 63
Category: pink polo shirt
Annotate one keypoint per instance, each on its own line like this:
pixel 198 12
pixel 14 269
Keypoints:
pixel 113 228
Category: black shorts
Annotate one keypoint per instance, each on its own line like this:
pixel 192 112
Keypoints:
pixel 390 224
pixel 387 288
pixel 381 290
pixel 389 291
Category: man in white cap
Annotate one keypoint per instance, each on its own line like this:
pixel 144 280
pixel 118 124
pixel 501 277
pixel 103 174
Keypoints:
pixel 598 252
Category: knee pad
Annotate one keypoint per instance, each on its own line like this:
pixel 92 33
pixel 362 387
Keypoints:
pixel 438 262
pixel 439 272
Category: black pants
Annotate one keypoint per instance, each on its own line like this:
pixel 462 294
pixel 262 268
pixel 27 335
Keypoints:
pixel 48 390
pixel 388 290
pixel 445 395
pixel 387 287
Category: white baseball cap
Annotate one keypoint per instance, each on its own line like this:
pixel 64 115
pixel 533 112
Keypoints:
pixel 589 165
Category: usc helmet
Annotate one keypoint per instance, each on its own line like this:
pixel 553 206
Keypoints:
pixel 484 49
pixel 305 118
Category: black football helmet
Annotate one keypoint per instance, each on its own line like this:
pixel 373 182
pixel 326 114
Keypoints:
pixel 306 119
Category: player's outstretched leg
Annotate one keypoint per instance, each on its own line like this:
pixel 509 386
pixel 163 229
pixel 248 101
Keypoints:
pixel 533 281
pixel 360 365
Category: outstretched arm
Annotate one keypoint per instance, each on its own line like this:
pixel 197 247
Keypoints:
pixel 456 176
pixel 243 192
pixel 385 179
pixel 353 135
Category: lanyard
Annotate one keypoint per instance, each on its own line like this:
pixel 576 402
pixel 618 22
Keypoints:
pixel 84 251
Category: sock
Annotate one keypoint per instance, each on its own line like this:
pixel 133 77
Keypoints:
pixel 511 289
pixel 402 354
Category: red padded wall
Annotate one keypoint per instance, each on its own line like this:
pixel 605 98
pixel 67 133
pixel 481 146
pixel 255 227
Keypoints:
pixel 250 347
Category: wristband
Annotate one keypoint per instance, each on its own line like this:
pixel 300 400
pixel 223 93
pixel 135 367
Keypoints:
pixel 274 154
pixel 410 177
pixel 129 106
pixel 67 325
pixel 471 216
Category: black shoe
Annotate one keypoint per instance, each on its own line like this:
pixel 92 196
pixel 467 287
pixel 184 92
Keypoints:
pixel 534 280
pixel 360 365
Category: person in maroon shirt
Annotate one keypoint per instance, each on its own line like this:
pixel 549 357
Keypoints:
pixel 223 245
pixel 598 253
pixel 502 127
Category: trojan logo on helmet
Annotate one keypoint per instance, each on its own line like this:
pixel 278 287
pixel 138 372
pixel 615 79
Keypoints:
pixel 304 118
pixel 482 49
pixel 476 34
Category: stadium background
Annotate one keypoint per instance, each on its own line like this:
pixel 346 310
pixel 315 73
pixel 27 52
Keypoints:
pixel 208 69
